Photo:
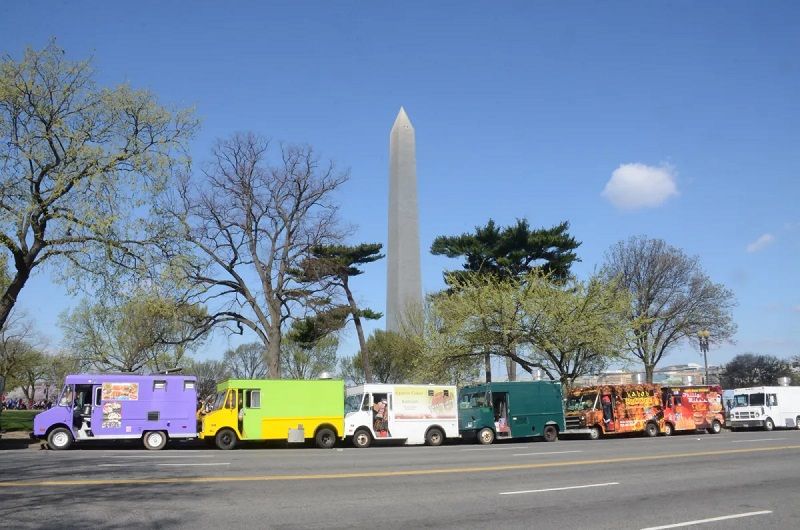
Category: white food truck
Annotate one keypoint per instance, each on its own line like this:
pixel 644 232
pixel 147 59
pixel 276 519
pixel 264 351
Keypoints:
pixel 766 407
pixel 414 414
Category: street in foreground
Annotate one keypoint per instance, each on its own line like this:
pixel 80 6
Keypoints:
pixel 732 480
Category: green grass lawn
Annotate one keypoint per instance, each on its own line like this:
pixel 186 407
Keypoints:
pixel 17 420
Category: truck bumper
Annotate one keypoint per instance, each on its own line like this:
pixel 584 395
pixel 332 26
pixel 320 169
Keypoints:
pixel 744 424
pixel 577 431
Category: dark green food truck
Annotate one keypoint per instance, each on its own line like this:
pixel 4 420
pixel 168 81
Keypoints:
pixel 518 409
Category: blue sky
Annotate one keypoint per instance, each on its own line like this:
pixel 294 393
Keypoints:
pixel 521 109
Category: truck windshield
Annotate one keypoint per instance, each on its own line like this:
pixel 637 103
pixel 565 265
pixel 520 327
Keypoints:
pixel 756 400
pixel 219 399
pixel 353 403
pixel 469 401
pixel 581 402
pixel 740 400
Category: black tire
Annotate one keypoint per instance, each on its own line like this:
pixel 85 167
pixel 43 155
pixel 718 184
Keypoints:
pixel 486 436
pixel 154 440
pixel 59 439
pixel 797 422
pixel 362 438
pixel 651 430
pixel 325 438
pixel 550 433
pixel 594 433
pixel 434 437
pixel 226 439
pixel 769 424
pixel 716 427
pixel 668 430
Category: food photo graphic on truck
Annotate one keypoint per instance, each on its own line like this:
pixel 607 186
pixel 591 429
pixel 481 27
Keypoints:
pixel 505 410
pixel 692 408
pixel 615 409
pixel 154 408
pixel 413 414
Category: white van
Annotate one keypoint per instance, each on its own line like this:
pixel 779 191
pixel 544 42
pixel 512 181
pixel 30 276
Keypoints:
pixel 766 407
pixel 414 414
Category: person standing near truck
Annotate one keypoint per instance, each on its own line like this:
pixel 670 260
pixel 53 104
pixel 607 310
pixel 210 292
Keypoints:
pixel 380 415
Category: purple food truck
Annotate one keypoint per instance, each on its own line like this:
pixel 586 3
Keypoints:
pixel 153 408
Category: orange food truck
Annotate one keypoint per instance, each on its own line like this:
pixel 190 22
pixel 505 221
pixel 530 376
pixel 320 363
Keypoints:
pixel 615 409
pixel 691 408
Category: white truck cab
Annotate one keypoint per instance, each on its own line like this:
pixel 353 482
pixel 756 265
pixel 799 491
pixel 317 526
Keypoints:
pixel 413 414
pixel 766 407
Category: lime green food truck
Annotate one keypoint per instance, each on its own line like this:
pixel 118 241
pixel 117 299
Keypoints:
pixel 264 409
pixel 507 410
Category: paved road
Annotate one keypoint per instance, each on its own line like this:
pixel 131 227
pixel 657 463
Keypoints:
pixel 731 480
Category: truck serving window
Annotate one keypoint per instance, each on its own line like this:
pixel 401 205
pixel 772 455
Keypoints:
pixel 756 400
pixel 188 385
pixel 159 384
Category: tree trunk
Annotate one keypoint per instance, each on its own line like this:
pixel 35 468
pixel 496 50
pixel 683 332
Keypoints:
pixel 362 343
pixel 648 372
pixel 511 368
pixel 12 291
pixel 487 363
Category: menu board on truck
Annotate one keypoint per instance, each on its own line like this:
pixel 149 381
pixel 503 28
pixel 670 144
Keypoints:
pixel 120 392
pixel 420 402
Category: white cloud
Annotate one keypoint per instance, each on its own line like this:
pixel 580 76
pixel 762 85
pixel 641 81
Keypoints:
pixel 634 186
pixel 763 241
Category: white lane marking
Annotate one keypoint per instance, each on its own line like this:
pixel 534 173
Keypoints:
pixel 756 440
pixel 547 453
pixel 496 448
pixel 709 520
pixel 157 456
pixel 203 464
pixel 131 464
pixel 561 489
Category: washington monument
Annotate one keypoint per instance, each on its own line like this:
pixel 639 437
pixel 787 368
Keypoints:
pixel 404 286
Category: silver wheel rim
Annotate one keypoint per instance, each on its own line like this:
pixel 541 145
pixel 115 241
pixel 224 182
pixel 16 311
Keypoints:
pixel 361 439
pixel 486 436
pixel 60 439
pixel 436 438
pixel 154 439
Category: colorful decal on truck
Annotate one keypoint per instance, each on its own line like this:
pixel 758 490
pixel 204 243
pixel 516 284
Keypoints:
pixel 112 415
pixel 120 392
pixel 419 402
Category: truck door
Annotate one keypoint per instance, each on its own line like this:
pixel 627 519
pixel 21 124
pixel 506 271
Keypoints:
pixel 250 413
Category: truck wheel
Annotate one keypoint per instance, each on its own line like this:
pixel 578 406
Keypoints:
pixel 325 438
pixel 716 427
pixel 225 439
pixel 59 439
pixel 768 424
pixel 594 433
pixel 154 440
pixel 651 430
pixel 362 438
pixel 550 433
pixel 434 437
pixel 667 429
pixel 797 422
pixel 486 436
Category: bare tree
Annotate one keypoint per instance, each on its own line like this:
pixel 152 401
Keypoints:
pixel 246 361
pixel 209 374
pixel 18 340
pixel 78 165
pixel 249 223
pixel 673 298
pixel 308 361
